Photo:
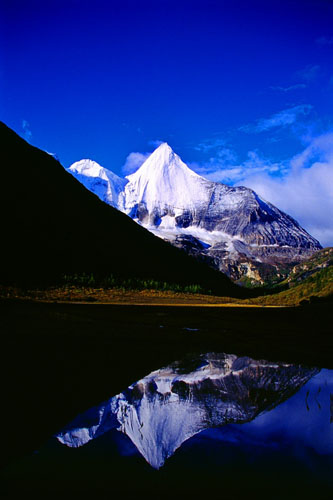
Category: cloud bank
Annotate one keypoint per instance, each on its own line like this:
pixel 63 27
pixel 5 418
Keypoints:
pixel 301 186
pixel 304 188
pixel 221 170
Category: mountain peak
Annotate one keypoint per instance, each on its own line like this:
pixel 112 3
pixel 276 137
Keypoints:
pixel 162 155
pixel 101 181
pixel 165 180
pixel 163 162
pixel 87 167
pixel 164 146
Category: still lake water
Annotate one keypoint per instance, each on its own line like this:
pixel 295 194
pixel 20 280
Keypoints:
pixel 214 424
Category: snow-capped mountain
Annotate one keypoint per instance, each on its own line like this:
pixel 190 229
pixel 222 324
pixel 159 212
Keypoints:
pixel 231 227
pixel 168 406
pixel 107 185
pixel 166 187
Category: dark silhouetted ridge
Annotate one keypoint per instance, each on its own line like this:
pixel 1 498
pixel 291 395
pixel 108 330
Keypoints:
pixel 52 225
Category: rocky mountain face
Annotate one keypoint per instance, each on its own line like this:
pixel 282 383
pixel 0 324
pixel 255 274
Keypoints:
pixel 231 228
pixel 309 282
pixel 319 261
pixel 168 406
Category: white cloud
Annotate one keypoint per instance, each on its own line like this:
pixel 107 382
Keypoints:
pixel 228 172
pixel 210 145
pixel 217 166
pixel 301 186
pixel 134 161
pixel 305 191
pixel 284 118
pixel 297 86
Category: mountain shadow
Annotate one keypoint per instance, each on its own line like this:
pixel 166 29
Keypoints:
pixel 52 225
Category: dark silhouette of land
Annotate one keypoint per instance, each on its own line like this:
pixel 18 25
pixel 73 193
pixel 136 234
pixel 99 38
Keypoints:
pixel 52 226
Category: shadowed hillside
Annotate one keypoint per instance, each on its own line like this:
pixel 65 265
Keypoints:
pixel 52 225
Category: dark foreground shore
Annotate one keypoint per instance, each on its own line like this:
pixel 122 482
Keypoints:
pixel 60 359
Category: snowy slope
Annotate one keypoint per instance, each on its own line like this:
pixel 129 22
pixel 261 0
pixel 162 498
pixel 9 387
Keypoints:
pixel 164 182
pixel 104 183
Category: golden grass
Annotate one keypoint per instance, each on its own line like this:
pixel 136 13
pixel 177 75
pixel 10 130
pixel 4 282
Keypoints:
pixel 85 295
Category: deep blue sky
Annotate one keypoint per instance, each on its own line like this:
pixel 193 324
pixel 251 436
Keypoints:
pixel 246 84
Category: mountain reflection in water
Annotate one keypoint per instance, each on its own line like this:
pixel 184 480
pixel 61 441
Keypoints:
pixel 169 406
